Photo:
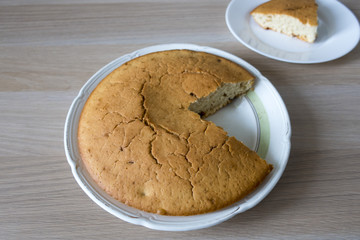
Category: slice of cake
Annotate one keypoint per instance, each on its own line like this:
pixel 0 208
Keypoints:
pixel 297 18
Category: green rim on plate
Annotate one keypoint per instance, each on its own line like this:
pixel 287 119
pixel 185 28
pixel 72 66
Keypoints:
pixel 263 119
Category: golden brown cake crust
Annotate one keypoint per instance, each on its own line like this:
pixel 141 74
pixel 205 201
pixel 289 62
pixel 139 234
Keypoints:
pixel 142 145
pixel 304 10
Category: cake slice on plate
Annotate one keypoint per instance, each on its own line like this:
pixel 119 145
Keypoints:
pixel 297 18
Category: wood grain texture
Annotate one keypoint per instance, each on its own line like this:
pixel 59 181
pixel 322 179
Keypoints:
pixel 50 49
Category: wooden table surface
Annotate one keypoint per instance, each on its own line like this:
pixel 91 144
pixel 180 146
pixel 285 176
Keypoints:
pixel 49 49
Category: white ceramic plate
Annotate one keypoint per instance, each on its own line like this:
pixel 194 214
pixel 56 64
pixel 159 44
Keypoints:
pixel 338 33
pixel 260 119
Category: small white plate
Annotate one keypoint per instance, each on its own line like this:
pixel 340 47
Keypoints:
pixel 338 33
pixel 260 119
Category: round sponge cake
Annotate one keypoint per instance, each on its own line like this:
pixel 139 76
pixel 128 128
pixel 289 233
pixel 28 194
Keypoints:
pixel 142 139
